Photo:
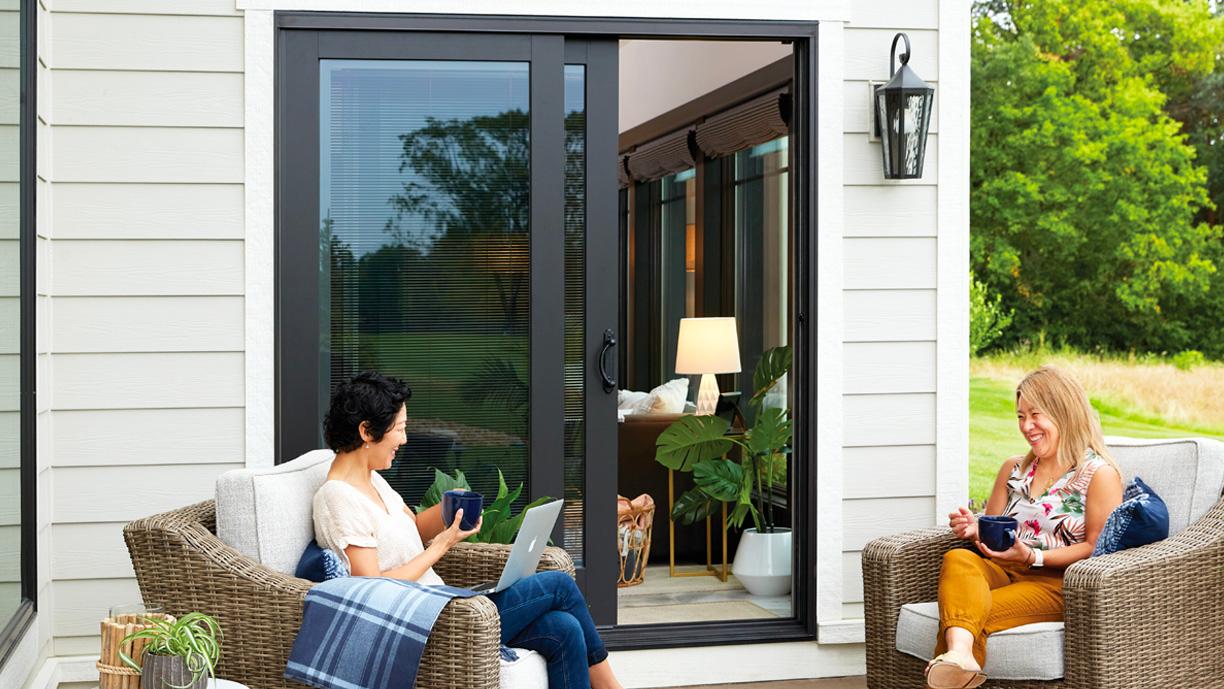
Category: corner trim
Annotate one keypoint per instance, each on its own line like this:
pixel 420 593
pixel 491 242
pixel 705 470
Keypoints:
pixel 952 300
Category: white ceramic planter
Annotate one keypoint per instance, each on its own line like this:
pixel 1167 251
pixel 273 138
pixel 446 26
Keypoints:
pixel 763 562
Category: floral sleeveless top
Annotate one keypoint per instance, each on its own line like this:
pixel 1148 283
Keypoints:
pixel 1054 519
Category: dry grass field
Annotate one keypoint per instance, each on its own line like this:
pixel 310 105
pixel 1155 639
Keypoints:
pixel 1150 388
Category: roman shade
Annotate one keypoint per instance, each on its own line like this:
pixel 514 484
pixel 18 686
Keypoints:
pixel 664 156
pixel 759 120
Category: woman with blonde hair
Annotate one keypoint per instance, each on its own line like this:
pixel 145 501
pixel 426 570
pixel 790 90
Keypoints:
pixel 1060 493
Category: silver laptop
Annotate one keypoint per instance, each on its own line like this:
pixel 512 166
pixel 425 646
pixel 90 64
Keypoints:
pixel 528 547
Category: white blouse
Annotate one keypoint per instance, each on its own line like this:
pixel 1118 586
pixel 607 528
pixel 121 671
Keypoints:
pixel 344 516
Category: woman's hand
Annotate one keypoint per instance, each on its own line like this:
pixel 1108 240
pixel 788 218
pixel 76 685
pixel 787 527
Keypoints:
pixel 453 534
pixel 1019 552
pixel 963 524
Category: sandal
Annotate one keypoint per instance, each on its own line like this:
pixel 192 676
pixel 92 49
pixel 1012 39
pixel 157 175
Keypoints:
pixel 947 672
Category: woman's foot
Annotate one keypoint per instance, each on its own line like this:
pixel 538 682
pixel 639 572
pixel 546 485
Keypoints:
pixel 954 670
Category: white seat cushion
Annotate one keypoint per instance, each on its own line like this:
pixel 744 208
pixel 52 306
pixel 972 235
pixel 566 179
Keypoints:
pixel 265 514
pixel 1031 651
pixel 530 671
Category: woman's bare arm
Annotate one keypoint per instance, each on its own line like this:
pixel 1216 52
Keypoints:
pixel 363 562
pixel 429 523
pixel 998 495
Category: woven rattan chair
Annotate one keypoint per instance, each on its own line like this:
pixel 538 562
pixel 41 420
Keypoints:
pixel 182 566
pixel 1145 618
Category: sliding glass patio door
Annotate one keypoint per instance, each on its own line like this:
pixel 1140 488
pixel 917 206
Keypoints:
pixel 446 214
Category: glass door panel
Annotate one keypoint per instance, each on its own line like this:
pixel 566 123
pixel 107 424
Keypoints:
pixel 424 255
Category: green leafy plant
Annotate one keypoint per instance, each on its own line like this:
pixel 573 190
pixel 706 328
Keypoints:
pixel 988 320
pixel 500 525
pixel 1189 359
pixel 194 637
pixel 701 444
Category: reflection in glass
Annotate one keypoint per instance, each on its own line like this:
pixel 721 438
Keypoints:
pixel 10 310
pixel 678 262
pixel 424 255
pixel 762 227
pixel 575 308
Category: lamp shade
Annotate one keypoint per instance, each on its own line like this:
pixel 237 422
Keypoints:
pixel 707 345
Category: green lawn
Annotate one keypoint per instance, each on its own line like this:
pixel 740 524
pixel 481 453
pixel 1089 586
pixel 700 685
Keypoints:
pixel 994 436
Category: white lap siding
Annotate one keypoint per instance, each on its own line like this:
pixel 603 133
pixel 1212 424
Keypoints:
pixel 145 210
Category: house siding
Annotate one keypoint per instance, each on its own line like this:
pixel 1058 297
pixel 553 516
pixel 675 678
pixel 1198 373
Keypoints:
pixel 144 301
pixel 154 259
pixel 891 240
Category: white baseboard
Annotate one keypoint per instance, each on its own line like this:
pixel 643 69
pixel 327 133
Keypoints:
pixel 842 632
pixel 736 664
pixel 62 669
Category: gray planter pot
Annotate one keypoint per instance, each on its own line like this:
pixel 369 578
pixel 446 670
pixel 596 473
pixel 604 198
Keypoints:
pixel 167 672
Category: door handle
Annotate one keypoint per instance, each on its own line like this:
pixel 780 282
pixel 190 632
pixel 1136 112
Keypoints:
pixel 609 384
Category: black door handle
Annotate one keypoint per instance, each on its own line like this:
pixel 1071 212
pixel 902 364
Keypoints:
pixel 609 384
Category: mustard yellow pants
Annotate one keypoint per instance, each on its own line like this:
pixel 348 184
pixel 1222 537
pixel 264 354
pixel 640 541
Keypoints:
pixel 985 597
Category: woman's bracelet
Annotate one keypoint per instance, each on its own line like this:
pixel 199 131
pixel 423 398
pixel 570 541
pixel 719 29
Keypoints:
pixel 1031 557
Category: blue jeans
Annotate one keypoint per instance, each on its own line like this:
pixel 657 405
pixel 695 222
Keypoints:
pixel 546 613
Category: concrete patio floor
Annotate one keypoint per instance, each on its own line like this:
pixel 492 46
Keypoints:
pixel 859 682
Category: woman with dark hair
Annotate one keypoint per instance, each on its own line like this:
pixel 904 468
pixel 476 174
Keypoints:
pixel 360 517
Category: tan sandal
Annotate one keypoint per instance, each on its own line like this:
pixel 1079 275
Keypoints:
pixel 947 671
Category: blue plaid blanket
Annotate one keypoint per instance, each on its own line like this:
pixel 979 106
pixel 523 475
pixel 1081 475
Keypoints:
pixel 366 632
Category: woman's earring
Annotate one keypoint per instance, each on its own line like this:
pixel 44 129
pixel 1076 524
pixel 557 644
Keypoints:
pixel 366 446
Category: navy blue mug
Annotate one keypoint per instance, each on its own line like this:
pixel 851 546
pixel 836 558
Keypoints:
pixel 997 532
pixel 471 502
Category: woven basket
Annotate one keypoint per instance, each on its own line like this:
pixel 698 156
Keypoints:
pixel 634 521
pixel 112 673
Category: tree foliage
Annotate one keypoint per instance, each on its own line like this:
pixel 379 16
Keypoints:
pixel 1087 199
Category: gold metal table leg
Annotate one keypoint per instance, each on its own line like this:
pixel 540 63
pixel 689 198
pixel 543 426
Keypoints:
pixel 710 569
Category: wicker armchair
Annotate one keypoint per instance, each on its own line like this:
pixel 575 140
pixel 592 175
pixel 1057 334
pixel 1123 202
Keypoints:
pixel 1149 617
pixel 181 566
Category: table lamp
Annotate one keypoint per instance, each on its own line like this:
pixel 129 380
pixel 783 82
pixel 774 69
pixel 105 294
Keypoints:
pixel 707 346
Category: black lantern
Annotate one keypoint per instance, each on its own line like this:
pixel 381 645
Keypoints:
pixel 903 115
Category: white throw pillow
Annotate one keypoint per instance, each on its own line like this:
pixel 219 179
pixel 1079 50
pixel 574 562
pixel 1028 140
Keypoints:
pixel 630 399
pixel 668 398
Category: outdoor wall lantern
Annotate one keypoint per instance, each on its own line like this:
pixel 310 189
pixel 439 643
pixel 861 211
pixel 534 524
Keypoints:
pixel 903 107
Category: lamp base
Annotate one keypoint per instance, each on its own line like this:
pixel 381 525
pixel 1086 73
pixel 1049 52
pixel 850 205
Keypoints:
pixel 707 395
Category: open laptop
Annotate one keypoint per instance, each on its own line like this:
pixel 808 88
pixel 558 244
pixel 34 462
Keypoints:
pixel 528 547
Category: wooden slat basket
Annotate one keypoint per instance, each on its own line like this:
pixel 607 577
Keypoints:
pixel 112 673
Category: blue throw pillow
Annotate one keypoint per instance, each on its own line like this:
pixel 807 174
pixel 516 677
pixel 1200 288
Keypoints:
pixel 1142 518
pixel 320 564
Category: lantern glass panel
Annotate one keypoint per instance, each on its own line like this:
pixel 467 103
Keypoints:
pixel 906 117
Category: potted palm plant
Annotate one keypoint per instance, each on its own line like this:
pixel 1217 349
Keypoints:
pixel 703 444
pixel 178 653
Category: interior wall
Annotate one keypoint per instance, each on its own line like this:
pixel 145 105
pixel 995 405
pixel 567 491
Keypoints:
pixel 656 76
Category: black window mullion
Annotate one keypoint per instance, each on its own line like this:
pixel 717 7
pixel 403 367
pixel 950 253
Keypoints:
pixel 602 220
pixel 298 380
pixel 547 273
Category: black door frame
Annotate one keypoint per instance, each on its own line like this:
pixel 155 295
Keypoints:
pixel 803 188
pixel 298 400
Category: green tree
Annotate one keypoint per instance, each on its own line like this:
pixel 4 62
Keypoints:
pixel 1084 191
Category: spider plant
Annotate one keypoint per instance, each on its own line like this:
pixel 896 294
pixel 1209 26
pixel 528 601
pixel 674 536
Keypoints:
pixel 194 637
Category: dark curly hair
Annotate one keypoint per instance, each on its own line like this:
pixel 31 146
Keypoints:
pixel 368 396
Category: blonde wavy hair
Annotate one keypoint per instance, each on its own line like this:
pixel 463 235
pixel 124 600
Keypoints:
pixel 1060 396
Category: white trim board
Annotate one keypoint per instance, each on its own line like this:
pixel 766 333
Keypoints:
pixel 826 325
pixel 736 664
pixel 834 10
pixel 952 297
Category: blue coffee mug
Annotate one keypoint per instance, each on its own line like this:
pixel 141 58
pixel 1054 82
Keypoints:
pixel 997 532
pixel 471 502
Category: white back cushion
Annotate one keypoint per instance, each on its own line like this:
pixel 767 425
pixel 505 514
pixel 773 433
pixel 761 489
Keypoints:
pixel 1187 473
pixel 265 514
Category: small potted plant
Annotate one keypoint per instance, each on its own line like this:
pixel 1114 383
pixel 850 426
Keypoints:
pixel 701 444
pixel 178 653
